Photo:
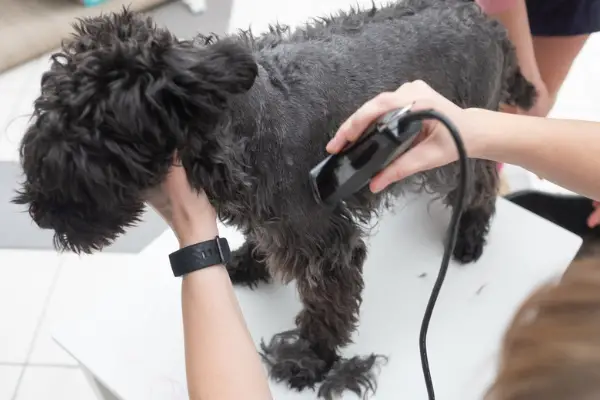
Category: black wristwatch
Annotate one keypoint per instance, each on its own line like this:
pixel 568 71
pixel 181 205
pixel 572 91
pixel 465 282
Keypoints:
pixel 200 255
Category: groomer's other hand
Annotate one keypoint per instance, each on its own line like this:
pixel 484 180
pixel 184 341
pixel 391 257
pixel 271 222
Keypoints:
pixel 189 213
pixel 433 148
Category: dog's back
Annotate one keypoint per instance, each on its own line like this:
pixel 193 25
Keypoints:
pixel 311 79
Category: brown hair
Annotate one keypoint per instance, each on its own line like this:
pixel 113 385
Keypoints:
pixel 551 351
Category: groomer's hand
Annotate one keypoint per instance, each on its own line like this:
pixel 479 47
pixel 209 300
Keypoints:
pixel 188 213
pixel 434 146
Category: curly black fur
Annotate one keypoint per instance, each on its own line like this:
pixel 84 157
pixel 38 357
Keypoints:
pixel 249 117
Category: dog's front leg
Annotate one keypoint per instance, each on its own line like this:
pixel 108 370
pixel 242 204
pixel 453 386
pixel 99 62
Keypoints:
pixel 330 291
pixel 247 266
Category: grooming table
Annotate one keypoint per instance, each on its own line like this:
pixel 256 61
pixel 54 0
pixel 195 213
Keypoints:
pixel 130 341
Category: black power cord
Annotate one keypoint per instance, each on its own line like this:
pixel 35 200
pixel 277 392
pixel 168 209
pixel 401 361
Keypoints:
pixel 457 212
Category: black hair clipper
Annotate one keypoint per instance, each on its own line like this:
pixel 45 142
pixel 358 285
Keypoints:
pixel 341 175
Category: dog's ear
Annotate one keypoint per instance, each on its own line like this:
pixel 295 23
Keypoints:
pixel 207 76
pixel 229 65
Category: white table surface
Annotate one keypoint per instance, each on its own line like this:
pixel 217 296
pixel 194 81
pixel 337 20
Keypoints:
pixel 132 341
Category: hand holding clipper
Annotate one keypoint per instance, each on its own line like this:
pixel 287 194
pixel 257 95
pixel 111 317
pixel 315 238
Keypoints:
pixel 341 175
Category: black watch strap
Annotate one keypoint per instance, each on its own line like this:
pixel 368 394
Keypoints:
pixel 200 255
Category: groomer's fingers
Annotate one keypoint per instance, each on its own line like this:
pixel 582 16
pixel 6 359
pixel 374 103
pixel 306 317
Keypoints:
pixel 416 93
pixel 425 156
pixel 358 122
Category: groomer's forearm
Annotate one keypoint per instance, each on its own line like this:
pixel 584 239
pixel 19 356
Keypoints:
pixel 566 152
pixel 221 359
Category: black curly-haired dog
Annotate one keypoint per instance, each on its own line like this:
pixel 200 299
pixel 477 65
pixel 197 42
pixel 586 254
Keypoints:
pixel 249 117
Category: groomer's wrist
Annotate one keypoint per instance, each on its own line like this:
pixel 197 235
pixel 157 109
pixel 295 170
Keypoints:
pixel 488 132
pixel 506 138
pixel 197 233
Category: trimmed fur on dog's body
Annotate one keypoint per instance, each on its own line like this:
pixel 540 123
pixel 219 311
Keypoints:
pixel 250 116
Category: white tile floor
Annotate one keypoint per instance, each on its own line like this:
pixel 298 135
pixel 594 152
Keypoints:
pixel 37 289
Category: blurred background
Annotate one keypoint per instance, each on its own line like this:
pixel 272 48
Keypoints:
pixel 38 287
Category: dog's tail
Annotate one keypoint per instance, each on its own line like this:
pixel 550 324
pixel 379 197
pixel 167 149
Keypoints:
pixel 517 90
pixel 356 374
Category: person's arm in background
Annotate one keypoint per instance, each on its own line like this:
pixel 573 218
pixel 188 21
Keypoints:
pixel 563 151
pixel 221 359
pixel 513 15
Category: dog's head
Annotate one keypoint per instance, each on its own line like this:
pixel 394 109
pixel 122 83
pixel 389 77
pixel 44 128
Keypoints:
pixel 120 97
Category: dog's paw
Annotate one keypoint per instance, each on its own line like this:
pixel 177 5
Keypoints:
pixel 468 250
pixel 290 359
pixel 244 269
pixel 357 375
pixel 472 233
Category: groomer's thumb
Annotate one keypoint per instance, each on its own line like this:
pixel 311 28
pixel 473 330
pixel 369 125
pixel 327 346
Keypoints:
pixel 422 157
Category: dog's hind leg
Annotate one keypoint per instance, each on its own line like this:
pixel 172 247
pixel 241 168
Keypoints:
pixel 330 287
pixel 475 222
pixel 247 266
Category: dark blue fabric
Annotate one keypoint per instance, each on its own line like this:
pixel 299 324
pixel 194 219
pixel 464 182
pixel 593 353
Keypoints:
pixel 563 17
